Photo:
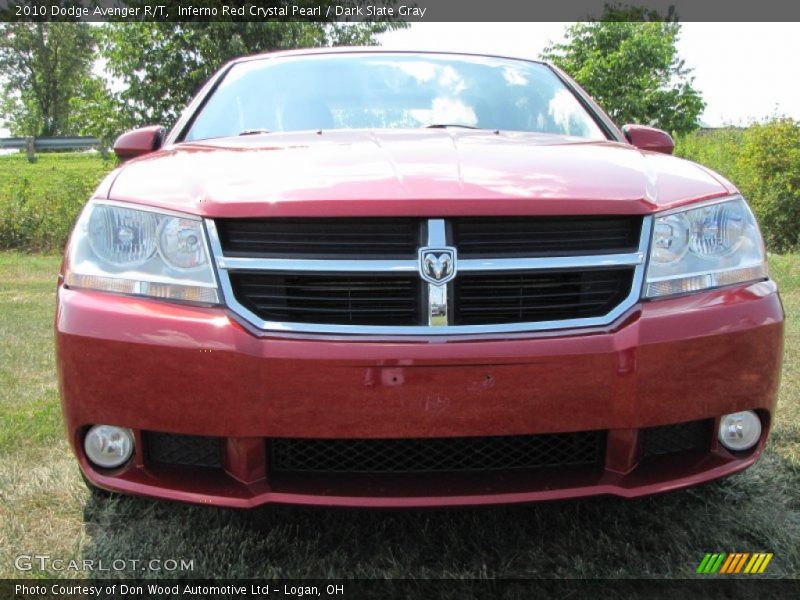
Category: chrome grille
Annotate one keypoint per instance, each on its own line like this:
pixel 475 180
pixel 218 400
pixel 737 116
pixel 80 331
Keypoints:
pixel 339 283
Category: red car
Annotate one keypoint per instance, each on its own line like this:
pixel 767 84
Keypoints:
pixel 372 278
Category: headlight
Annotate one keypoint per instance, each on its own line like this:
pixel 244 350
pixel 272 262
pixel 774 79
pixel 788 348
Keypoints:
pixel 119 248
pixel 701 247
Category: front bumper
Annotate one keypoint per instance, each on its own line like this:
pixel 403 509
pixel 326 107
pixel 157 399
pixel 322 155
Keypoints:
pixel 159 367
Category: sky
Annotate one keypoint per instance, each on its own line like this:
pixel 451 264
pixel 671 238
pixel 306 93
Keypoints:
pixel 745 71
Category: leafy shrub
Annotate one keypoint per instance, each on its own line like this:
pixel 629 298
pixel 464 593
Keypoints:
pixel 40 201
pixel 763 161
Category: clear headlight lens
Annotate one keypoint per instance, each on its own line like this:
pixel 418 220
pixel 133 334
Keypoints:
pixel 704 247
pixel 143 252
pixel 670 238
pixel 180 242
pixel 121 236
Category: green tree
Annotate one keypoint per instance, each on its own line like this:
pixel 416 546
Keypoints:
pixel 632 68
pixel 161 65
pixel 95 111
pixel 42 65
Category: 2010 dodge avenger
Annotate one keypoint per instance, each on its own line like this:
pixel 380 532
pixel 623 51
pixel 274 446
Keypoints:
pixel 373 278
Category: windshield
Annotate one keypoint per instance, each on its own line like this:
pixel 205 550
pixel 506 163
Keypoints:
pixel 388 91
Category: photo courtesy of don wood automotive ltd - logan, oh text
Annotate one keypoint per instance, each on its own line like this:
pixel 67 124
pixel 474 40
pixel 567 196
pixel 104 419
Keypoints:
pixel 433 299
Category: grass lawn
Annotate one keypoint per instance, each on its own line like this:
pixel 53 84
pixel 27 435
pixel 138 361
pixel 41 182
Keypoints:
pixel 45 509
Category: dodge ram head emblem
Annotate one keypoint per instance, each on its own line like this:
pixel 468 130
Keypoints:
pixel 437 265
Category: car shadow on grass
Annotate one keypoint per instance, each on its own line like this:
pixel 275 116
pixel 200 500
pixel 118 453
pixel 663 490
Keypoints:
pixel 605 537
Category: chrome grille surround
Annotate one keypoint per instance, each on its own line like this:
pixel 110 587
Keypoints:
pixel 437 325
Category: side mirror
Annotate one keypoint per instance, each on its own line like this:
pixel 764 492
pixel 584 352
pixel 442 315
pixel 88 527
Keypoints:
pixel 649 138
pixel 139 141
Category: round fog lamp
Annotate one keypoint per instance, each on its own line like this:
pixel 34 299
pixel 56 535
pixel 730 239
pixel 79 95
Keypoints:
pixel 740 431
pixel 107 446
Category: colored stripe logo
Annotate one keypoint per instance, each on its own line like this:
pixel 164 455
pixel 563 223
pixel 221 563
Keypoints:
pixel 734 563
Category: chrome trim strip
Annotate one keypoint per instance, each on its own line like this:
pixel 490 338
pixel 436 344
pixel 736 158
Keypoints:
pixel 555 262
pixel 438 315
pixel 636 260
pixel 314 265
pixel 412 266
pixel 213 241
pixel 437 233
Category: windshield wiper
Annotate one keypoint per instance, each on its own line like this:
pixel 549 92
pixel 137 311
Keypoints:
pixel 254 131
pixel 446 125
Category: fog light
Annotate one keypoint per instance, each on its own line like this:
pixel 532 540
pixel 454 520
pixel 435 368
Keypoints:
pixel 740 431
pixel 108 446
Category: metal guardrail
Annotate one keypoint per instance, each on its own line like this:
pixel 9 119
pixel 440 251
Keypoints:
pixel 12 143
pixel 50 143
pixel 32 145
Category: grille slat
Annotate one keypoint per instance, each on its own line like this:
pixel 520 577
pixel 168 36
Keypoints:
pixel 290 297
pixel 316 309
pixel 498 282
pixel 498 237
pixel 382 299
pixel 355 286
pixel 320 238
pixel 543 240
pixel 607 233
pixel 543 307
pixel 342 290
pixel 482 298
pixel 436 454
pixel 540 296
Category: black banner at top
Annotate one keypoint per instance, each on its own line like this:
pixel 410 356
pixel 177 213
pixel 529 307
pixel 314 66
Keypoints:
pixel 395 10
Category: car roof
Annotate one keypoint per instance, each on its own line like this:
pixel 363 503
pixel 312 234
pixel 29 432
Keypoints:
pixel 339 50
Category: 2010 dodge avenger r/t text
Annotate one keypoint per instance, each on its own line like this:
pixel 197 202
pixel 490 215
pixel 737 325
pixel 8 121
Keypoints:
pixel 372 278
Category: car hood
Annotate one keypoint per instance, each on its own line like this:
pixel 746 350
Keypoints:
pixel 410 173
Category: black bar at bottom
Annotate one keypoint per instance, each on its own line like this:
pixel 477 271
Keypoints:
pixel 707 586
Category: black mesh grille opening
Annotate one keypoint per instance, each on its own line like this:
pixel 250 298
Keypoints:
pixel 499 237
pixel 343 299
pixel 667 439
pixel 436 454
pixel 184 450
pixel 321 238
pixel 509 297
